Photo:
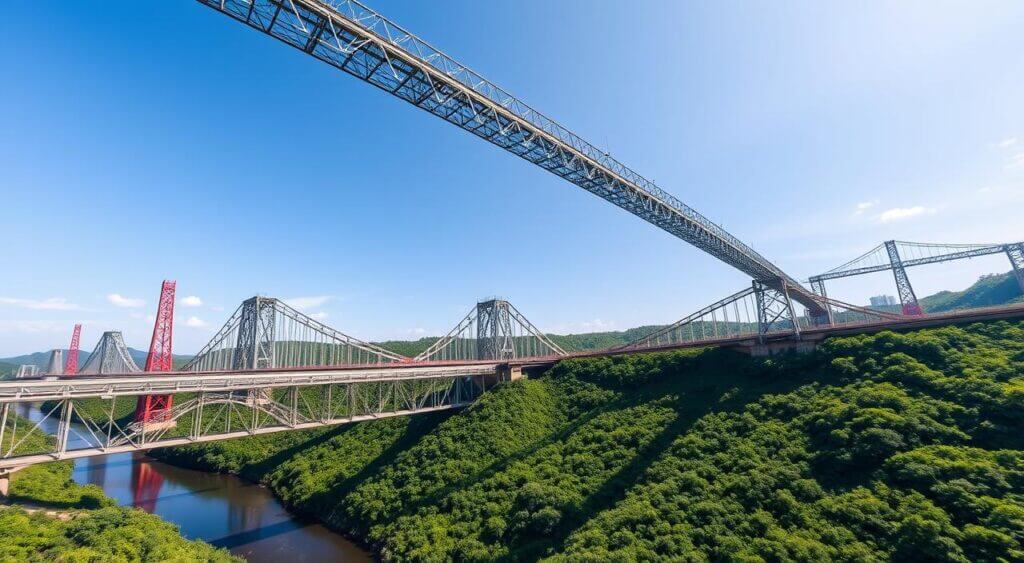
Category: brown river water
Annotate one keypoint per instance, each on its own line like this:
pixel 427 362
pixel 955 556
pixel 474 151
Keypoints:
pixel 223 510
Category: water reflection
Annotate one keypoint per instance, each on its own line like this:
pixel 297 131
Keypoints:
pixel 221 509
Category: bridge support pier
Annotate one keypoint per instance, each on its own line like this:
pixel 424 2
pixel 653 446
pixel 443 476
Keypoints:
pixel 5 485
pixel 774 307
pixel 828 317
pixel 907 297
pixel 1015 252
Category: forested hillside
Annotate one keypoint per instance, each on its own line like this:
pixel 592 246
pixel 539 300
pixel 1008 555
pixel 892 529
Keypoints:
pixel 993 289
pixel 892 446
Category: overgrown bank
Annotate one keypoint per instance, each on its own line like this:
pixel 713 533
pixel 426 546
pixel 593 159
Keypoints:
pixel 891 446
pixel 52 518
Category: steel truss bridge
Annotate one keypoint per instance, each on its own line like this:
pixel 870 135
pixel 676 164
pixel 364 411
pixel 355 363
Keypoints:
pixel 271 368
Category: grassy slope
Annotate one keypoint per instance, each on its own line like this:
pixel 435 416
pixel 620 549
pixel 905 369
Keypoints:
pixel 876 447
pixel 95 528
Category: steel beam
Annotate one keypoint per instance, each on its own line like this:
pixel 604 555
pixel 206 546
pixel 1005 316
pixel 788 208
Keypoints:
pixel 1015 252
pixel 355 39
pixel 906 292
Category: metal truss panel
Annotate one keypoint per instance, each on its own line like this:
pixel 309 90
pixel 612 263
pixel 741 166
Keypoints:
pixel 89 428
pixel 265 333
pixel 109 356
pixel 493 330
pixel 906 292
pixel 71 363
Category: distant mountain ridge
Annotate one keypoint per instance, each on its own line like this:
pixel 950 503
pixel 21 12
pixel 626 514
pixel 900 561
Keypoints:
pixel 42 358
pixel 989 290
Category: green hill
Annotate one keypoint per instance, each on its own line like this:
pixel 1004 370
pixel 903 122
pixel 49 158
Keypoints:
pixel 882 447
pixel 992 289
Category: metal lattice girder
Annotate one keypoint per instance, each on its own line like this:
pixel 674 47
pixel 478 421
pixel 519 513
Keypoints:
pixel 911 254
pixel 903 287
pixel 110 356
pixel 493 330
pixel 256 343
pixel 266 333
pixel 349 36
pixel 87 426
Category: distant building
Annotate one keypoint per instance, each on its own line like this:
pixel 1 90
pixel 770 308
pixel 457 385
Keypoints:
pixel 883 301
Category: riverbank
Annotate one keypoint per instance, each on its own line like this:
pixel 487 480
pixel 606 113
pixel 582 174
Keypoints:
pixel 50 517
pixel 876 447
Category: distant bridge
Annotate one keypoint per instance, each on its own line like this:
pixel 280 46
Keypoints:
pixel 898 255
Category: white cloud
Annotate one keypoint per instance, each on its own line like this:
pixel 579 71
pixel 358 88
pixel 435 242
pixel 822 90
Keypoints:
pixel 50 304
pixel 1007 143
pixel 1016 161
pixel 191 301
pixel 308 302
pixel 415 332
pixel 901 213
pixel 126 302
pixel 195 322
pixel 864 206
pixel 320 315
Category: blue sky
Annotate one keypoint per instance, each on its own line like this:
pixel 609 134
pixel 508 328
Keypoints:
pixel 152 140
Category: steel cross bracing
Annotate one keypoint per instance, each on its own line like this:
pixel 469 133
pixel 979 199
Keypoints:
pixel 906 292
pixel 215 407
pixel 348 35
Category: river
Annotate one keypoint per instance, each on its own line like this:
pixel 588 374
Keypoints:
pixel 223 510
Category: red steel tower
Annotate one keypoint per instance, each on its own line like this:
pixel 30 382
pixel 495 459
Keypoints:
pixel 151 407
pixel 71 364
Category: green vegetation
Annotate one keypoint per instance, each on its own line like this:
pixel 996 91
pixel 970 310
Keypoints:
pixel 890 446
pixel 89 526
pixel 8 370
pixel 993 289
pixel 107 534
